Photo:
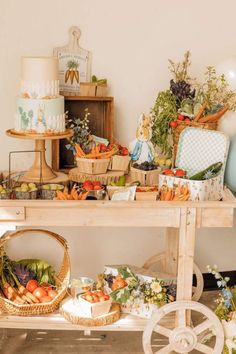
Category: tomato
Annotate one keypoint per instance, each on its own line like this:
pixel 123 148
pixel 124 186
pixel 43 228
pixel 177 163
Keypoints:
pixel 181 117
pixel 173 124
pixel 52 293
pixel 97 188
pixel 46 299
pixel 97 183
pixel 168 172
pixel 102 298
pixel 46 286
pixel 107 297
pixel 180 173
pixel 99 293
pixel 89 298
pixel 32 285
pixel 95 298
pixel 39 292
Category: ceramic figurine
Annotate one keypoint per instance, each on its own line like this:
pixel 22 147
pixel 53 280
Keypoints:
pixel 141 149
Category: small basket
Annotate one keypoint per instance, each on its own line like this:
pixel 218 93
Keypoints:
pixel 49 194
pixel 92 166
pixel 6 195
pixel 62 279
pixel 119 163
pixel 26 195
pixel 146 178
pixel 92 89
pixel 182 125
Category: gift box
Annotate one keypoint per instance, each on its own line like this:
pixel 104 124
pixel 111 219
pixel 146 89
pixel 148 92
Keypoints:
pixel 138 306
pixel 197 150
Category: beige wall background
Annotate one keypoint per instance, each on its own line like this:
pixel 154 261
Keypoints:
pixel 131 41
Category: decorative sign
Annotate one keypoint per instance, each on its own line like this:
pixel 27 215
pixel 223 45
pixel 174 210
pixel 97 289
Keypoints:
pixel 74 64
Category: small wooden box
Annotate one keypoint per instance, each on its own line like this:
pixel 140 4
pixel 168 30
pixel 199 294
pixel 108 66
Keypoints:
pixel 92 89
pixel 146 178
pixel 119 163
pixel 146 195
pixel 92 166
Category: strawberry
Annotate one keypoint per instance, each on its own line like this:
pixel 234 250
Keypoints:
pixel 173 124
pixel 181 117
pixel 180 173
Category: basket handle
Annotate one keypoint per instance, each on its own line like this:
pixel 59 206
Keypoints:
pixel 8 235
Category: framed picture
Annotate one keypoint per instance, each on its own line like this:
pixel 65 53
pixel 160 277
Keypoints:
pixel 74 64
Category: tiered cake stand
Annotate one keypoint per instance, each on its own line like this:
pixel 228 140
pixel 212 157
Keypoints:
pixel 40 170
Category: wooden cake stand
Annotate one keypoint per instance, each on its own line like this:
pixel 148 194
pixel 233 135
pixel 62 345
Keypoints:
pixel 40 163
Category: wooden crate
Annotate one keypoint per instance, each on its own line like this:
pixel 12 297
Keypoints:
pixel 101 118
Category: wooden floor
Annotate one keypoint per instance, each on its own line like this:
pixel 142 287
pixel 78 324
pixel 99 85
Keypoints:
pixel 73 342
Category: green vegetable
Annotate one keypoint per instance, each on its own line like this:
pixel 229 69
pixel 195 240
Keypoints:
pixel 164 111
pixel 98 81
pixel 43 271
pixel 209 172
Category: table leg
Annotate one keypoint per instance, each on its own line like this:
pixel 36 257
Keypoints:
pixel 171 251
pixel 185 260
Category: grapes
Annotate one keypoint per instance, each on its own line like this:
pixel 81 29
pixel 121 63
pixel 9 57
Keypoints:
pixel 145 166
pixel 182 90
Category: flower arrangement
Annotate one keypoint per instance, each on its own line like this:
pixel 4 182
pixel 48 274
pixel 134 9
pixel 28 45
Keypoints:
pixel 127 287
pixel 226 302
pixel 82 134
pixel 188 102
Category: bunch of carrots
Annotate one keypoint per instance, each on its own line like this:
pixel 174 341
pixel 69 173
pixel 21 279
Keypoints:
pixel 210 118
pixel 177 193
pixel 10 285
pixel 95 153
pixel 72 195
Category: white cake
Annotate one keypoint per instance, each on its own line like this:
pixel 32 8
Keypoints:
pixel 40 108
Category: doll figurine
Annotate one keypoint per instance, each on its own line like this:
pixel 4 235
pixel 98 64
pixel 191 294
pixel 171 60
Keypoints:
pixel 141 149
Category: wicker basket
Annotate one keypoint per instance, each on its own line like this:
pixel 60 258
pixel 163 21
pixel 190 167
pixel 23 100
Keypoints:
pixel 92 166
pixel 182 125
pixel 146 178
pixel 62 279
pixel 119 163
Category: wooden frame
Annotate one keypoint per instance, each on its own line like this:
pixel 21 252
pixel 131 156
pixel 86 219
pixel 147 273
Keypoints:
pixel 101 123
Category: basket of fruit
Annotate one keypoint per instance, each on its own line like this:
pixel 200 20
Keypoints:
pixel 5 193
pixel 96 161
pixel 146 173
pixel 120 161
pixel 31 286
pixel 49 191
pixel 26 191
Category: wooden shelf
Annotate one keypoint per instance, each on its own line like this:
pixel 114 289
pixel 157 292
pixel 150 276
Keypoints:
pixel 89 98
pixel 57 322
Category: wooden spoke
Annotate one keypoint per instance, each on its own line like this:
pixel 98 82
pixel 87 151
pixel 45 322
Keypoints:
pixel 165 350
pixel 181 317
pixel 203 348
pixel 162 330
pixel 202 327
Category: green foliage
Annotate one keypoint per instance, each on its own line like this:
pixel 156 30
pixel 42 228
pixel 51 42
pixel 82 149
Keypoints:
pixel 72 64
pixel 215 92
pixel 180 70
pixel 163 112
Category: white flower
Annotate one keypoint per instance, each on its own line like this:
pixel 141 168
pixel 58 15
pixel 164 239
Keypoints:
pixel 156 287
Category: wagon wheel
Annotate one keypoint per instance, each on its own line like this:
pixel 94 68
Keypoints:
pixel 159 261
pixel 184 338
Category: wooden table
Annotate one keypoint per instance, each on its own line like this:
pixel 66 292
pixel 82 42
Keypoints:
pixel 182 220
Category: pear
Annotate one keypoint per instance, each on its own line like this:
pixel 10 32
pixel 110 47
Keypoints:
pixel 32 186
pixel 46 186
pixel 121 181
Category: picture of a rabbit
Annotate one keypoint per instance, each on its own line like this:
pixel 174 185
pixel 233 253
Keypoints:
pixel 41 121
pixel 142 149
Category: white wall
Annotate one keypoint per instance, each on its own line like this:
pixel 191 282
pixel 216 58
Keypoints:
pixel 131 41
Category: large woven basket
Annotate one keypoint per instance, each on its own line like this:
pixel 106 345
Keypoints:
pixel 182 125
pixel 62 279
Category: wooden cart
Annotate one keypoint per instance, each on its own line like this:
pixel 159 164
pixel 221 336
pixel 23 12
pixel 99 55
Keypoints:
pixel 173 321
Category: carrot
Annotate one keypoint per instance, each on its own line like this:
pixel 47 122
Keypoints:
pixel 67 75
pixel 211 118
pixel 79 151
pixel 84 196
pixel 61 195
pixel 199 113
pixel 11 294
pixel 168 195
